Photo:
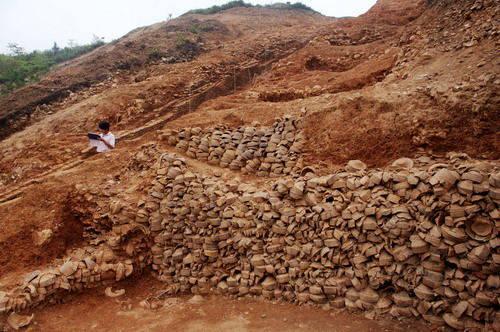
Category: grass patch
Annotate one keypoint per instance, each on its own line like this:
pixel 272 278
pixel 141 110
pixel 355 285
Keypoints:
pixel 154 52
pixel 184 41
pixel 201 27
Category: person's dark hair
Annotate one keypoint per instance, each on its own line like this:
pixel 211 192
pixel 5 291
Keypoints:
pixel 104 125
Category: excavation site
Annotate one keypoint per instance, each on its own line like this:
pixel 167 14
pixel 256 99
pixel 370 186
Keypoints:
pixel 275 169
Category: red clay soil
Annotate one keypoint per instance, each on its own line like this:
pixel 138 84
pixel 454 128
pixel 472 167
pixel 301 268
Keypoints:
pixel 407 78
pixel 92 310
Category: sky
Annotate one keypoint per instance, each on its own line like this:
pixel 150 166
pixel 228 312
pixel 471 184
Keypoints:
pixel 37 24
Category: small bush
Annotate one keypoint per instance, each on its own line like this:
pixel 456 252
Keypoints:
pixel 155 52
pixel 129 63
pixel 184 41
pixel 201 27
pixel 217 9
pixel 294 6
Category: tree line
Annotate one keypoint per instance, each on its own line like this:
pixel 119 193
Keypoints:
pixel 20 68
pixel 241 3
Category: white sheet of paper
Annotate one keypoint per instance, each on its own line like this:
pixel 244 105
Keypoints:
pixel 94 142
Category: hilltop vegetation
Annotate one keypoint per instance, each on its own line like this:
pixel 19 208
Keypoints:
pixel 241 3
pixel 23 68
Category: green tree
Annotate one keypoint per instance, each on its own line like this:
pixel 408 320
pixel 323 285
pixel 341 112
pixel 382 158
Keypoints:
pixel 21 68
pixel 15 49
pixel 55 48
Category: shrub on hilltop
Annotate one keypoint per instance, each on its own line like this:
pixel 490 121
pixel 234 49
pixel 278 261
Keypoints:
pixel 241 3
pixel 21 68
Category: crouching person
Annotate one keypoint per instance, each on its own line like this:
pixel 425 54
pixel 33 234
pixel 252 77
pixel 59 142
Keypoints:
pixel 107 140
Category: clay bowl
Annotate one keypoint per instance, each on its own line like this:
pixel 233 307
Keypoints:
pixel 480 229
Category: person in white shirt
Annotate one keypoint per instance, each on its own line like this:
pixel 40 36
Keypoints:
pixel 107 140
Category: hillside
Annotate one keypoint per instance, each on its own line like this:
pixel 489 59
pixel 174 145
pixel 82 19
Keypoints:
pixel 414 79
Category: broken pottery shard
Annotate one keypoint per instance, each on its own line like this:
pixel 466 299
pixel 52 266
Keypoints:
pixel 120 271
pixel 145 304
pixel 89 263
pixel 4 301
pixel 297 190
pixel 269 283
pixel 355 165
pixel 479 229
pixel 494 180
pixel 446 177
pixel 453 321
pixel 369 295
pixel 465 187
pixel 402 299
pixel 110 293
pixel 423 292
pixel 17 321
pixel 453 234
pixel 479 254
pixel 32 275
pixel 68 268
pixel 459 309
pixel 115 207
pixel 473 176
pixel 283 278
pixel 197 299
pixel 47 280
pixel 404 163
pixel 42 237
pixel 129 269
